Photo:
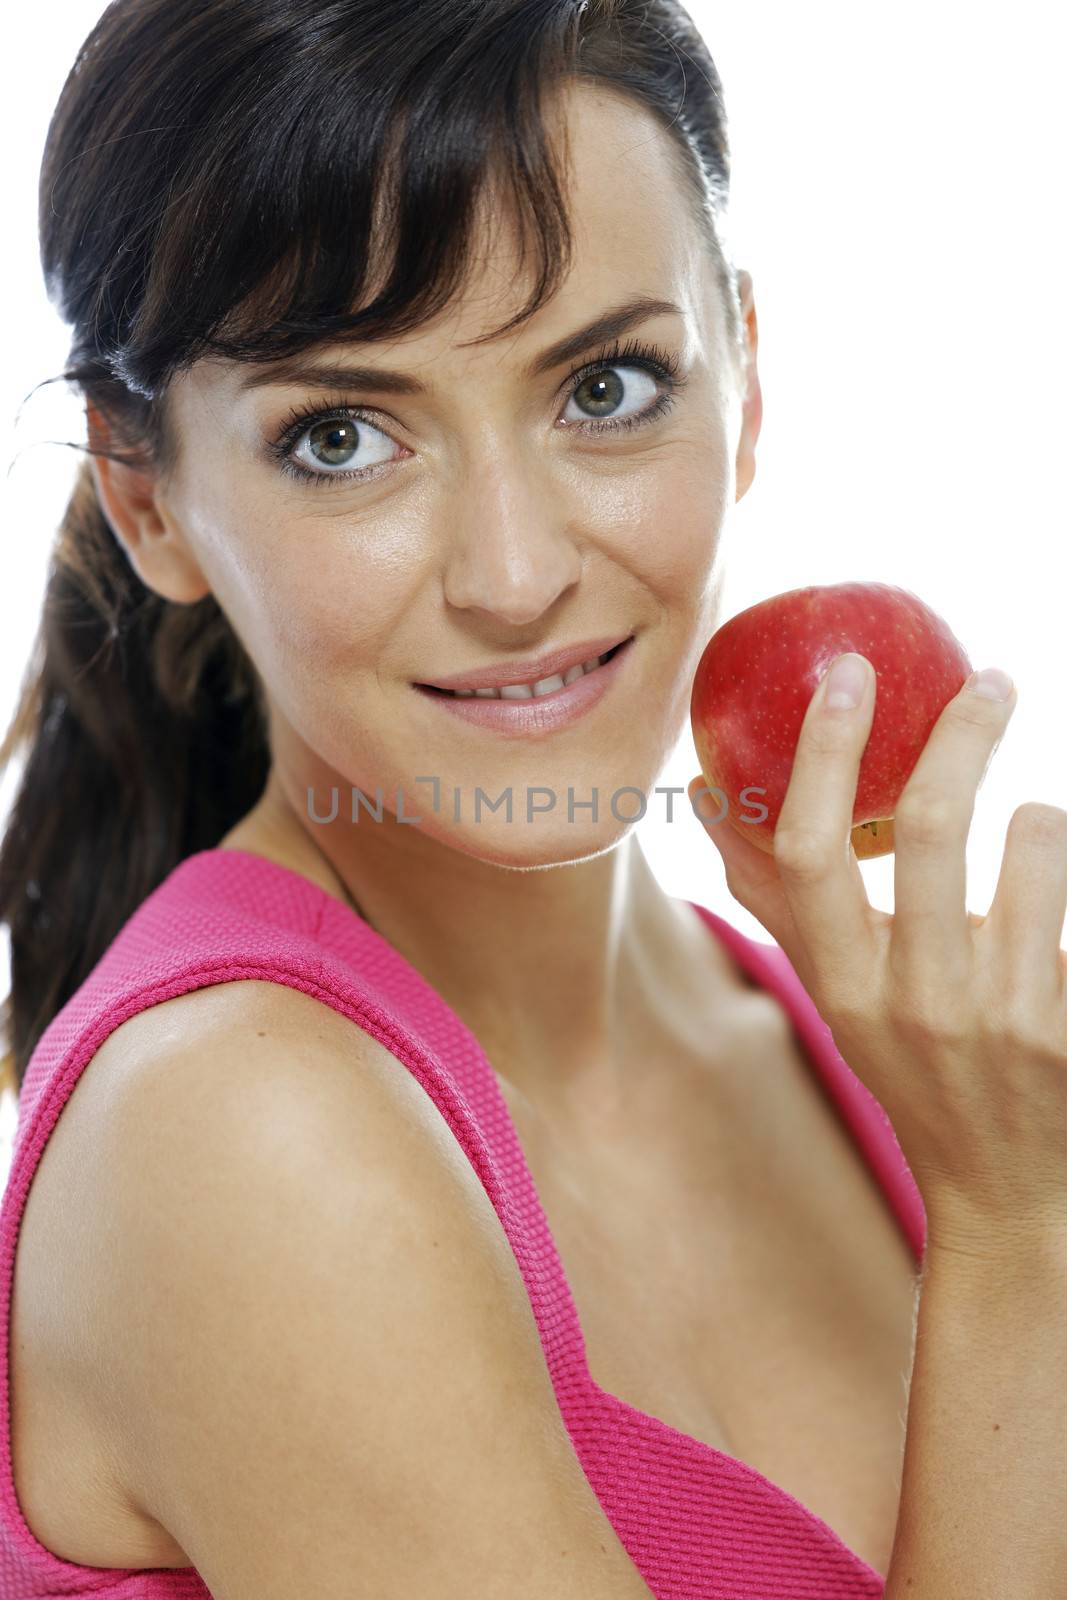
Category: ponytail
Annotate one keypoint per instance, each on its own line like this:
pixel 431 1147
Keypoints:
pixel 144 735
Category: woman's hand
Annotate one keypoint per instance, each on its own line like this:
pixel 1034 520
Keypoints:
pixel 956 1023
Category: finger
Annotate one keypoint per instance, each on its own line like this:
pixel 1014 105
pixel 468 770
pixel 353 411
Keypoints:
pixel 1023 928
pixel 812 846
pixel 751 875
pixel 931 933
pixel 753 880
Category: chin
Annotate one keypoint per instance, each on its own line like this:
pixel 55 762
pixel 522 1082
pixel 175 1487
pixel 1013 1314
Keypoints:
pixel 527 846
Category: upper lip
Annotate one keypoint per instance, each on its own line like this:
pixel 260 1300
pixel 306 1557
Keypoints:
pixel 502 673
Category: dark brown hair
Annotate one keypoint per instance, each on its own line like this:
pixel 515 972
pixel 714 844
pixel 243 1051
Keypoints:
pixel 217 179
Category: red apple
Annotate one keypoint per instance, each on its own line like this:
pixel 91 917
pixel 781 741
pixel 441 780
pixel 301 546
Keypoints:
pixel 757 676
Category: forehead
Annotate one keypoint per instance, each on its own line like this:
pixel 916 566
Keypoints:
pixel 634 234
pixel 625 187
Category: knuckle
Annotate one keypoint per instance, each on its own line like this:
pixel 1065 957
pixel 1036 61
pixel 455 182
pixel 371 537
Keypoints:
pixel 929 1018
pixel 975 711
pixel 829 736
pixel 847 1014
pixel 800 854
pixel 926 818
pixel 1016 1029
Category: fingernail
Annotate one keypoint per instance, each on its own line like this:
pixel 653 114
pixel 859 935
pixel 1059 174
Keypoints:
pixel 845 682
pixel 991 683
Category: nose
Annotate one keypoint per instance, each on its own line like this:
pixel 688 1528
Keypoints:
pixel 511 550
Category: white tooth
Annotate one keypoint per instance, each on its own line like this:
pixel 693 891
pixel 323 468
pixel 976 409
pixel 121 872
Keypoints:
pixel 593 662
pixel 486 694
pixel 462 692
pixel 516 691
pixel 573 673
pixel 546 685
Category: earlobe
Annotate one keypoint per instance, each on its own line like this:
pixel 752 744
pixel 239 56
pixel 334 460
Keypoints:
pixel 128 497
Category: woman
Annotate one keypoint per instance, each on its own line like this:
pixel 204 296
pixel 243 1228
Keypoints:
pixel 414 361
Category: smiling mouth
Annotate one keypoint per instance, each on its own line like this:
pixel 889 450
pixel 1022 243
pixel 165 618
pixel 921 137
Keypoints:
pixel 530 691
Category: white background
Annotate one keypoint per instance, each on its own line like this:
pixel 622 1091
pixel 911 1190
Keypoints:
pixel 898 180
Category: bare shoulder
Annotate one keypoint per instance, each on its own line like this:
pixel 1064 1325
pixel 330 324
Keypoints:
pixel 312 1309
pixel 191 1036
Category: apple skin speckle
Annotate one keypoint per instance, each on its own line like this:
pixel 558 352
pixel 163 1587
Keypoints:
pixel 757 675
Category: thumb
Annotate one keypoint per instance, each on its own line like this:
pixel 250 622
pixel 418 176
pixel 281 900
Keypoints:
pixel 751 874
pixel 710 809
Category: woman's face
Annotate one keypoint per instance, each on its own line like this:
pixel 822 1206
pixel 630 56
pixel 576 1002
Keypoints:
pixel 489 521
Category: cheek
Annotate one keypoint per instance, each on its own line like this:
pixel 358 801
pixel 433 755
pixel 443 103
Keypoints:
pixel 313 595
pixel 673 516
pixel 325 608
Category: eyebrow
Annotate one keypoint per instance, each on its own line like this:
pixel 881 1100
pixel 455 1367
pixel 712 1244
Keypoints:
pixel 608 325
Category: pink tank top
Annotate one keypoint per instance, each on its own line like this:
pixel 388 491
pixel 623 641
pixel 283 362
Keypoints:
pixel 697 1523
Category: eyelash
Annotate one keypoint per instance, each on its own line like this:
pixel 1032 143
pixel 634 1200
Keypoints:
pixel 662 364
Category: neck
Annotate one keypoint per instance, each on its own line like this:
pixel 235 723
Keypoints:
pixel 562 974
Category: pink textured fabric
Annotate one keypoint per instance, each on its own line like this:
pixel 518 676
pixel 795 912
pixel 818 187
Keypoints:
pixel 697 1523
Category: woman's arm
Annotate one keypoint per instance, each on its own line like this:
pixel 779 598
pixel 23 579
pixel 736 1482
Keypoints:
pixel 320 1358
pixel 957 1024
pixel 983 1505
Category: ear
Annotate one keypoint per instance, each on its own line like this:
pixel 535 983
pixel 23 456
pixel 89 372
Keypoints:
pixel 129 498
pixel 752 406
